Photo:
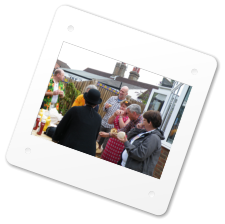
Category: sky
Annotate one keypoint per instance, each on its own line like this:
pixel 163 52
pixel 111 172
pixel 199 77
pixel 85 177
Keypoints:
pixel 80 59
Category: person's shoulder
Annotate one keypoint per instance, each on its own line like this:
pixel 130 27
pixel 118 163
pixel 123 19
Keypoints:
pixel 73 109
pixel 139 119
pixel 79 110
pixel 126 117
pixel 71 112
pixel 153 137
pixel 80 96
pixel 97 116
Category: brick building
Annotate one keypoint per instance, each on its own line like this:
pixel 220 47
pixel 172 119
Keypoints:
pixel 60 64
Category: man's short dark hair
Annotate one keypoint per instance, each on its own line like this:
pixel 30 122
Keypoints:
pixel 57 71
pixel 154 117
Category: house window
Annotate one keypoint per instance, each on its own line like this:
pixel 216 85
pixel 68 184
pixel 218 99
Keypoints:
pixel 170 106
pixel 157 102
pixel 169 112
pixel 176 123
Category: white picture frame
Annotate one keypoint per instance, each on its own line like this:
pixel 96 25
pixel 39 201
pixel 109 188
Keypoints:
pixel 66 165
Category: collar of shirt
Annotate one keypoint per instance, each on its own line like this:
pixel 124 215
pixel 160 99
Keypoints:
pixel 146 132
pixel 138 120
pixel 54 81
pixel 119 100
pixel 139 135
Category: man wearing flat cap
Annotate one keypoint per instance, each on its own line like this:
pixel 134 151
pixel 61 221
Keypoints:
pixel 80 126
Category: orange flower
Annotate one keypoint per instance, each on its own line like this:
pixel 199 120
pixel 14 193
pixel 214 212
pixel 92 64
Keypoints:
pixel 49 90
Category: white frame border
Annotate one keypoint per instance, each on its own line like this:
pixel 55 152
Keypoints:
pixel 150 53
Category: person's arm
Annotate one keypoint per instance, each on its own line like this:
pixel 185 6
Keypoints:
pixel 99 126
pixel 113 117
pixel 143 150
pixel 62 126
pixel 62 95
pixel 49 93
pixel 104 134
pixel 140 123
pixel 106 105
pixel 122 123
pixel 126 128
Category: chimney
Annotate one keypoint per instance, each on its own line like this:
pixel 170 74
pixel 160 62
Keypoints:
pixel 120 69
pixel 134 75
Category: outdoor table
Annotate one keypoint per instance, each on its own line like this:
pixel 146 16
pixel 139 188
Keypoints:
pixel 44 136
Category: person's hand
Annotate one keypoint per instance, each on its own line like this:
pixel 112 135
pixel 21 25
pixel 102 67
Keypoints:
pixel 107 106
pixel 121 112
pixel 123 140
pixel 114 135
pixel 61 93
pixel 117 112
pixel 104 134
pixel 56 92
pixel 140 125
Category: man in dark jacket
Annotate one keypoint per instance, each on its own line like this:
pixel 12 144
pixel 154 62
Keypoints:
pixel 143 146
pixel 80 126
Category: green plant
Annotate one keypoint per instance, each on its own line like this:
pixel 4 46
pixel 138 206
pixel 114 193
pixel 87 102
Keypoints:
pixel 144 97
pixel 71 93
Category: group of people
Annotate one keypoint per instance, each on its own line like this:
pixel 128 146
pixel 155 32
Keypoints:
pixel 82 126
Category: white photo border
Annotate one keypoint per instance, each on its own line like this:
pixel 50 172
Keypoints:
pixel 135 48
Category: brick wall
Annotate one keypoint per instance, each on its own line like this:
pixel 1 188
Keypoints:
pixel 161 163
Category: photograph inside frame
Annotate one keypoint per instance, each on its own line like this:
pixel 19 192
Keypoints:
pixel 112 110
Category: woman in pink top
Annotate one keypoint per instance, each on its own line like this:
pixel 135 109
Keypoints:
pixel 114 147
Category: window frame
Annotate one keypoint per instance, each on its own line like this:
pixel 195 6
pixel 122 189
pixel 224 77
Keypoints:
pixel 159 91
pixel 173 116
